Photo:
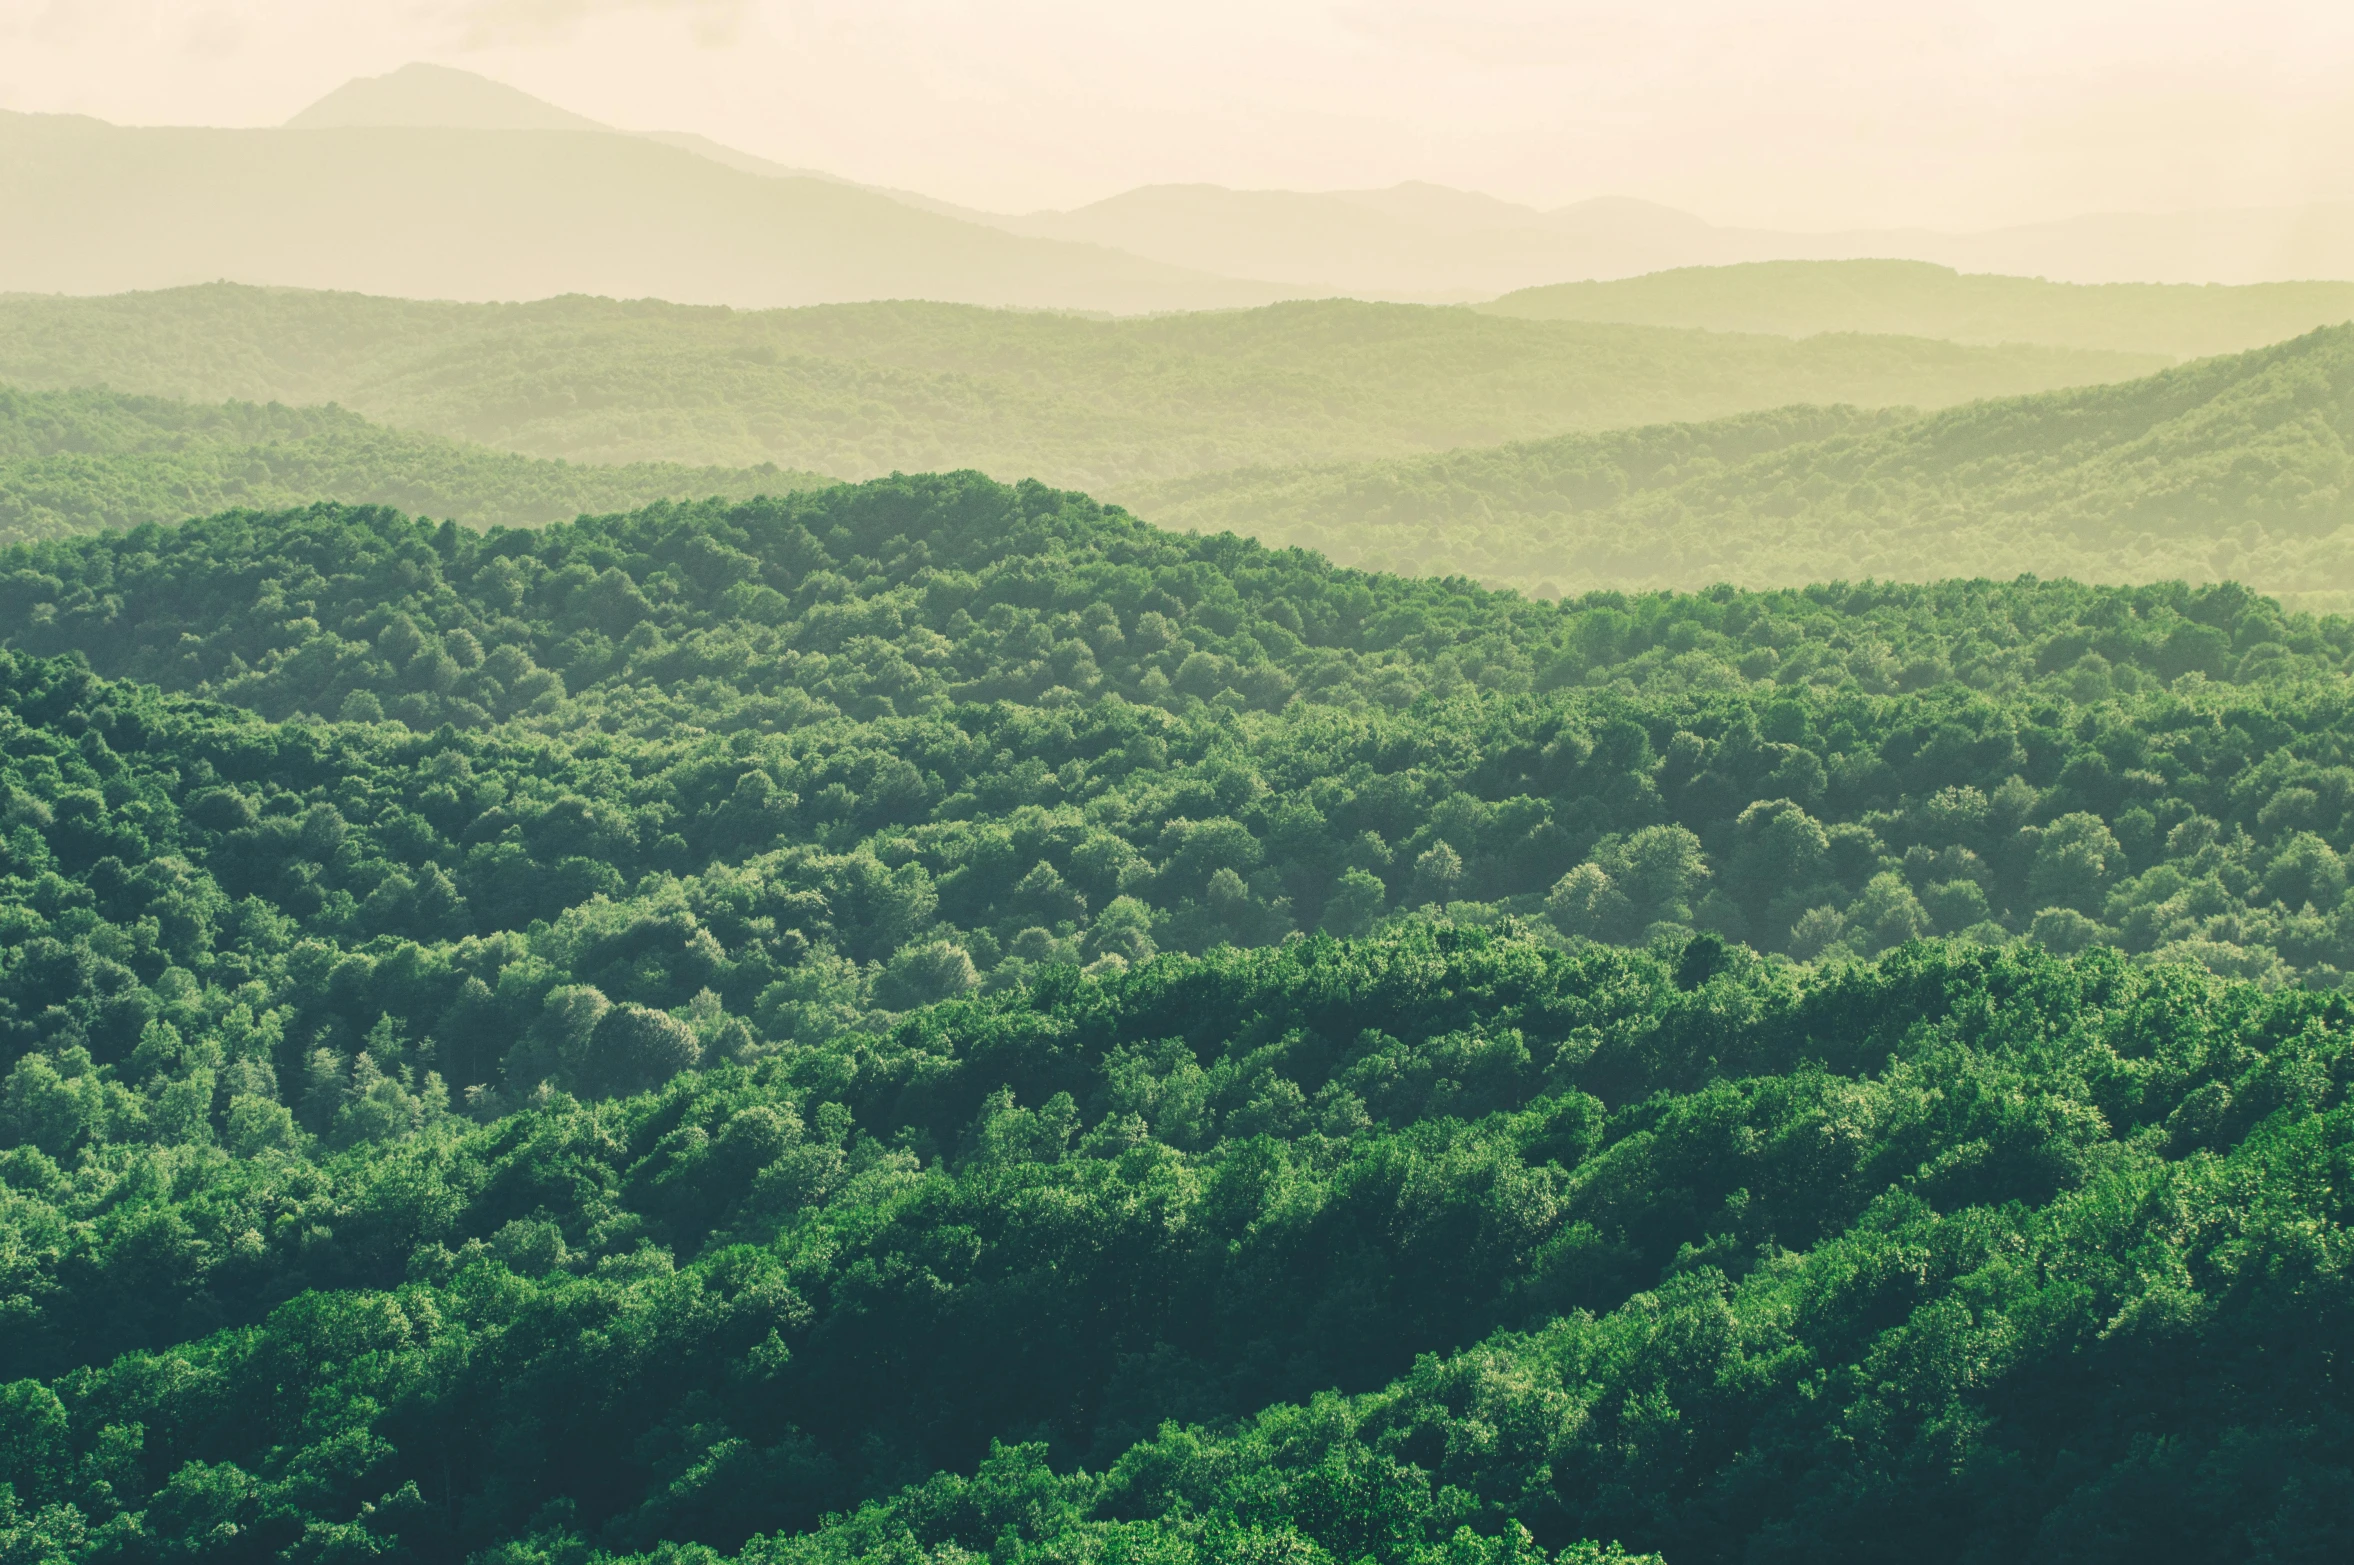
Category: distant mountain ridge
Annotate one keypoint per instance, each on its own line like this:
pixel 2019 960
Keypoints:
pixel 365 189
pixel 1406 243
pixel 514 213
pixel 1920 299
pixel 1178 245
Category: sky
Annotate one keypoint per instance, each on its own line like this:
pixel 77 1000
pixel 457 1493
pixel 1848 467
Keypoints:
pixel 1813 114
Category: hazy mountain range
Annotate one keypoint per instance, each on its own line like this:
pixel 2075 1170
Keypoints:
pixel 432 182
pixel 424 212
pixel 1918 299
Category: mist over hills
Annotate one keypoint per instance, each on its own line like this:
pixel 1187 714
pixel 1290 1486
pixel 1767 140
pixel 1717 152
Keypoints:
pixel 861 390
pixel 1916 298
pixel 2238 468
pixel 434 212
pixel 371 188
pixel 1428 243
pixel 1413 241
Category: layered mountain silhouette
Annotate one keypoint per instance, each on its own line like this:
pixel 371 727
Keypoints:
pixel 375 190
pixel 1427 242
pixel 1919 299
pixel 434 182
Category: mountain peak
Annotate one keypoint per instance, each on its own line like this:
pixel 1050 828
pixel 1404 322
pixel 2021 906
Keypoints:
pixel 439 96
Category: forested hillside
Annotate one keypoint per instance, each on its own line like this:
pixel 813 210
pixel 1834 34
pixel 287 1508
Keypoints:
pixel 1442 1249
pixel 958 728
pixel 871 389
pixel 79 461
pixel 776 1027
pixel 1917 299
pixel 2235 468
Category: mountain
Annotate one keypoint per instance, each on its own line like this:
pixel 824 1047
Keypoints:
pixel 435 212
pixel 1915 298
pixel 422 96
pixel 79 461
pixel 2238 467
pixel 869 389
pixel 552 202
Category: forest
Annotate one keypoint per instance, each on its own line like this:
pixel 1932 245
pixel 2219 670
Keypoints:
pixel 828 839
pixel 2237 468
pixel 1968 1251
pixel 861 391
pixel 933 1019
pixel 1034 714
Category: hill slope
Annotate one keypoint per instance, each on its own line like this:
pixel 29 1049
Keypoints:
pixel 96 208
pixel 2240 467
pixel 79 461
pixel 870 389
pixel 1914 298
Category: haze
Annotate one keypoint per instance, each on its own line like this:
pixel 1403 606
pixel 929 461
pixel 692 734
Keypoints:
pixel 1821 115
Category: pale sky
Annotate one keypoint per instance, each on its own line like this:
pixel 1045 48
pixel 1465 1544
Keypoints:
pixel 1796 113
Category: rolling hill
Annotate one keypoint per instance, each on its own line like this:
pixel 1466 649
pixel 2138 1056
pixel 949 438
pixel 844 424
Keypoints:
pixel 868 389
pixel 2239 467
pixel 80 461
pixel 1918 299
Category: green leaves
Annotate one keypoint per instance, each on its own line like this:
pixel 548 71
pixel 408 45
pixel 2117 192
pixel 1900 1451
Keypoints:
pixel 799 1049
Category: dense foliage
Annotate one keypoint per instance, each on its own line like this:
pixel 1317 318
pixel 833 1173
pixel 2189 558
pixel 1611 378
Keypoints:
pixel 772 1028
pixel 864 390
pixel 1918 299
pixel 2238 468
pixel 752 775
pixel 78 461
pixel 1443 1247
